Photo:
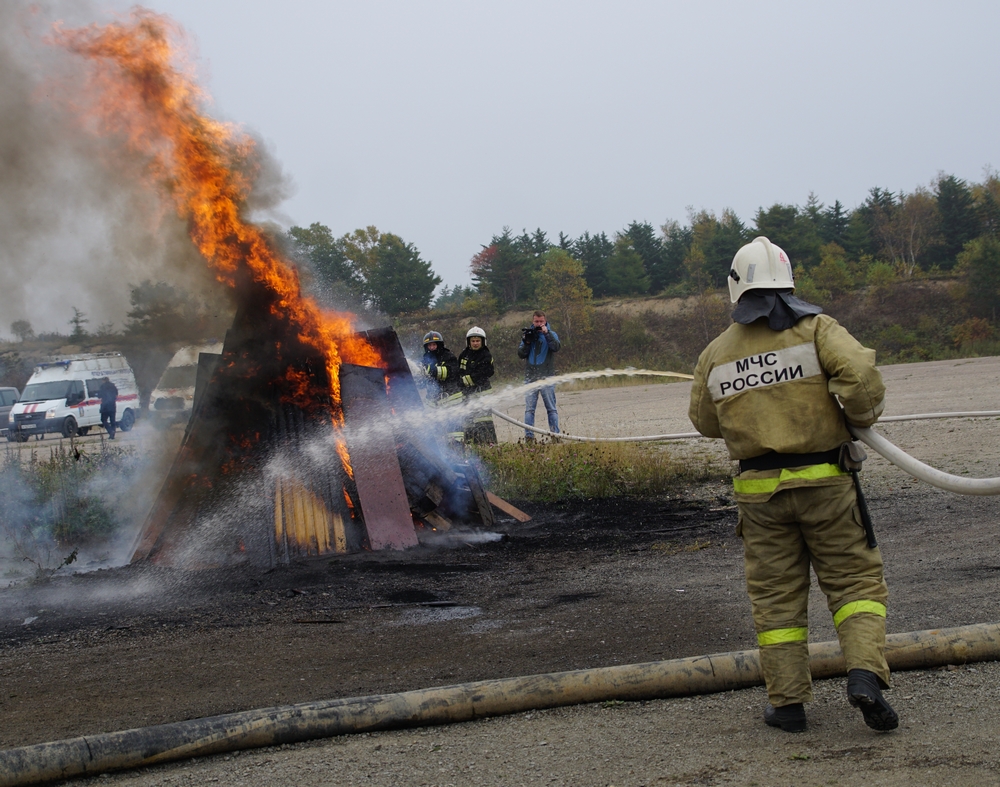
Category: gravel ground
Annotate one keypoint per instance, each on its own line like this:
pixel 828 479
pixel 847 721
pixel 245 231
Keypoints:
pixel 597 584
pixel 948 736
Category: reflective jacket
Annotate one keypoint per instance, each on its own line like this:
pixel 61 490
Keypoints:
pixel 441 366
pixel 475 368
pixel 763 390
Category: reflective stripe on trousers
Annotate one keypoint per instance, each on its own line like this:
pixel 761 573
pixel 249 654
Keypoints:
pixel 779 636
pixel 854 607
pixel 797 531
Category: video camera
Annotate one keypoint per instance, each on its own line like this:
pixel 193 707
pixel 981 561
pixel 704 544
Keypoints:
pixel 529 334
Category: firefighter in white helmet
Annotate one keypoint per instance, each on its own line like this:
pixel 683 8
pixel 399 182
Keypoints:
pixel 475 368
pixel 780 386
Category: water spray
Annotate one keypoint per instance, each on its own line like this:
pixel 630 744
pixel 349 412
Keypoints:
pixel 909 464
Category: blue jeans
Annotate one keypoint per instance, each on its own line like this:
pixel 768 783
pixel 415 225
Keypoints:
pixel 549 400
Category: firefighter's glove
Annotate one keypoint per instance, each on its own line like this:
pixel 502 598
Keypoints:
pixel 467 380
pixel 429 370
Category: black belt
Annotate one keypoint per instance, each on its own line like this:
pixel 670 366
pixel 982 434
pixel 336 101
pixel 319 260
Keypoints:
pixel 775 461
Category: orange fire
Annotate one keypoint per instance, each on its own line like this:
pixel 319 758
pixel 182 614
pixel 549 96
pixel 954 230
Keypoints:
pixel 143 92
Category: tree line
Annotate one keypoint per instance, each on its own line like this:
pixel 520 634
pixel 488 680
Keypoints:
pixel 892 235
pixel 947 227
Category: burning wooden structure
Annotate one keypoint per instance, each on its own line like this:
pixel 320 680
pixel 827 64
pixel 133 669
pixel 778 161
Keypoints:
pixel 274 462
pixel 279 462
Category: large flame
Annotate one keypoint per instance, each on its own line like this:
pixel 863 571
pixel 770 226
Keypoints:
pixel 143 92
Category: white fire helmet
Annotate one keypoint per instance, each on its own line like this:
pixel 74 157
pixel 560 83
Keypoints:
pixel 759 265
pixel 476 331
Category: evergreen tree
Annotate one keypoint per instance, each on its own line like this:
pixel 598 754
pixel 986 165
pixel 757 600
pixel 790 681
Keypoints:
pixel 717 240
pixel 959 222
pixel 979 264
pixel 626 270
pixel 400 280
pixel 793 230
pixel 987 198
pixel 676 243
pixel 594 251
pixel 814 211
pixel 649 247
pixel 857 238
pixel 503 269
pixel 833 225
pixel 534 244
pixel 454 297
pixel 878 213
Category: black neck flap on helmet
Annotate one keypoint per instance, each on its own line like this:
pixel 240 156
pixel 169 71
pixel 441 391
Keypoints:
pixel 781 308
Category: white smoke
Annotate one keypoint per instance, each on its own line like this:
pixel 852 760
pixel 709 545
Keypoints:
pixel 79 221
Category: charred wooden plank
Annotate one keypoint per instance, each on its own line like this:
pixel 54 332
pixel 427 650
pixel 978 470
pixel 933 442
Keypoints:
pixel 372 448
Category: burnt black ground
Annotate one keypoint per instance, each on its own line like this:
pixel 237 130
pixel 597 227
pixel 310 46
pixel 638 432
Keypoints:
pixel 585 584
pixel 142 644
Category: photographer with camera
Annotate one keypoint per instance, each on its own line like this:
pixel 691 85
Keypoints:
pixel 537 347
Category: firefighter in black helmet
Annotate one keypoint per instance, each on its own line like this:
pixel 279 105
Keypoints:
pixel 441 366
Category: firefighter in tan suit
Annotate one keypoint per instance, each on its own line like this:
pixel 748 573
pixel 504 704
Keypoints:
pixel 779 386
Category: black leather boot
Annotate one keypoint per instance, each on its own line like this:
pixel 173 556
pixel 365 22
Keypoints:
pixel 790 718
pixel 864 692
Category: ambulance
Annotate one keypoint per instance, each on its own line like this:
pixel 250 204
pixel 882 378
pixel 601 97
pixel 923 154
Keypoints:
pixel 173 397
pixel 61 397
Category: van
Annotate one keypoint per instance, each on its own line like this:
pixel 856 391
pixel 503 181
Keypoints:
pixel 171 400
pixel 61 396
pixel 8 398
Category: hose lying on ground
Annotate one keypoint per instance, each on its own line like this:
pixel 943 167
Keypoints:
pixel 94 754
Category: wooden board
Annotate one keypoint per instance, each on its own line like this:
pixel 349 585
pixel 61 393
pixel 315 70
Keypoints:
pixel 507 508
pixel 372 447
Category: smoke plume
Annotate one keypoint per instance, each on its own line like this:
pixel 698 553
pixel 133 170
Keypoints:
pixel 79 219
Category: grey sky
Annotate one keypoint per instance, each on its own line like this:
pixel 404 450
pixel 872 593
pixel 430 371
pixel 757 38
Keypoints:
pixel 445 121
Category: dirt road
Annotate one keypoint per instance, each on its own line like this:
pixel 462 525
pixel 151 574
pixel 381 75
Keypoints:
pixel 582 585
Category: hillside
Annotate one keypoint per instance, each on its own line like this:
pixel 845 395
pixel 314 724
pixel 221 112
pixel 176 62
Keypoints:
pixel 916 320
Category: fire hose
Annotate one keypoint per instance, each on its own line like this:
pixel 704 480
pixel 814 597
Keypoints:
pixel 867 435
pixel 146 746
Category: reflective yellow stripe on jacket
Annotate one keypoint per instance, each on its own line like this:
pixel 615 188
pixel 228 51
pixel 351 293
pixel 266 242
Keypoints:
pixel 761 486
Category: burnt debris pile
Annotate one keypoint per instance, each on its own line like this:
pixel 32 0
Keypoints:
pixel 279 462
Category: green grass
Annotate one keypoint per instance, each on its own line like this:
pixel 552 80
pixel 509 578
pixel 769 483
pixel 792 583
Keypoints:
pixel 548 472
